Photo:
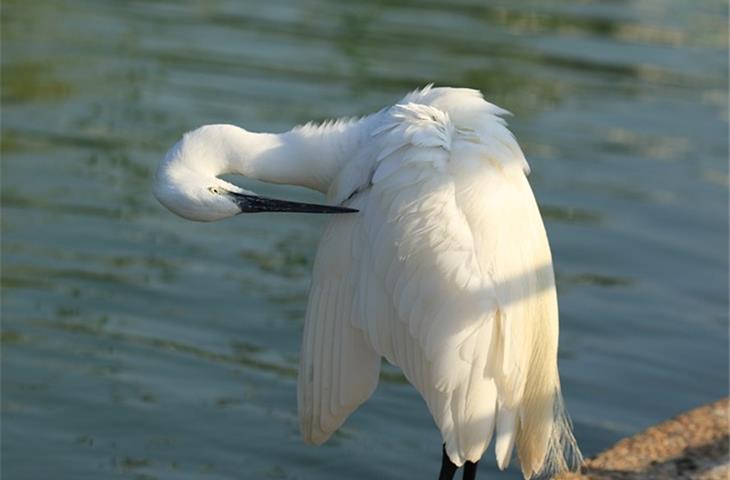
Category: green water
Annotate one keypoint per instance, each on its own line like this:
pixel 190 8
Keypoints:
pixel 138 345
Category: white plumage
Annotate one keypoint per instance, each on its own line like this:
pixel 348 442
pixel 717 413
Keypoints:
pixel 445 271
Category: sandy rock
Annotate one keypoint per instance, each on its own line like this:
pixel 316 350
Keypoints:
pixel 693 445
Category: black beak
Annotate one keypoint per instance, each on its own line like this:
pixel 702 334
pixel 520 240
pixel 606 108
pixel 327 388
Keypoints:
pixel 254 203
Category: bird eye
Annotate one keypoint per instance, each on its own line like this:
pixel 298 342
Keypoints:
pixel 214 190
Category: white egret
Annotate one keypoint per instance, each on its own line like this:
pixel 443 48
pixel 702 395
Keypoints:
pixel 442 266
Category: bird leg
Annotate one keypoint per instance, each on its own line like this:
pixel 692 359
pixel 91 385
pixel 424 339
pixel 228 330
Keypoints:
pixel 470 471
pixel 448 469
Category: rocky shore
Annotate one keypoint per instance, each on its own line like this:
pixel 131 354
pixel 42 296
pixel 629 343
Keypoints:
pixel 693 445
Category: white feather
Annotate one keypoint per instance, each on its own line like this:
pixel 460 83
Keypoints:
pixel 445 271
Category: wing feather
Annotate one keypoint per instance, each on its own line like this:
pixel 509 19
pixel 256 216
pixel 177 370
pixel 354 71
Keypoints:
pixel 506 434
pixel 338 367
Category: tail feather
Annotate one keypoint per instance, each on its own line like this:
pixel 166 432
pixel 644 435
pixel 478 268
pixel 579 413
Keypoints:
pixel 563 454
pixel 559 454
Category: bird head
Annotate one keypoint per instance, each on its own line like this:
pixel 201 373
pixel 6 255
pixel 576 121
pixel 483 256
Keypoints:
pixel 187 183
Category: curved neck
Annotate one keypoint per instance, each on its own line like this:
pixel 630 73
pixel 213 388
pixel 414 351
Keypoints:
pixel 308 156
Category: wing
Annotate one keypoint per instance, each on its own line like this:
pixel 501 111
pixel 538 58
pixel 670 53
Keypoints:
pixel 400 279
pixel 338 369
pixel 425 302
pixel 458 287
pixel 458 246
pixel 448 275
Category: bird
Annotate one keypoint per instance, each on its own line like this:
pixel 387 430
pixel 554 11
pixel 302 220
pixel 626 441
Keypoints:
pixel 434 257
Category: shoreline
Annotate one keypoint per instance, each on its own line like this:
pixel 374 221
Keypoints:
pixel 693 445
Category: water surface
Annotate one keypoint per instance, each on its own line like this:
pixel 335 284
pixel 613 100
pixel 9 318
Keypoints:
pixel 138 345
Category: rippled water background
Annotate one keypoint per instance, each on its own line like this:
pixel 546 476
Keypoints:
pixel 138 345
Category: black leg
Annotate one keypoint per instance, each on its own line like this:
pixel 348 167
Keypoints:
pixel 448 469
pixel 470 471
